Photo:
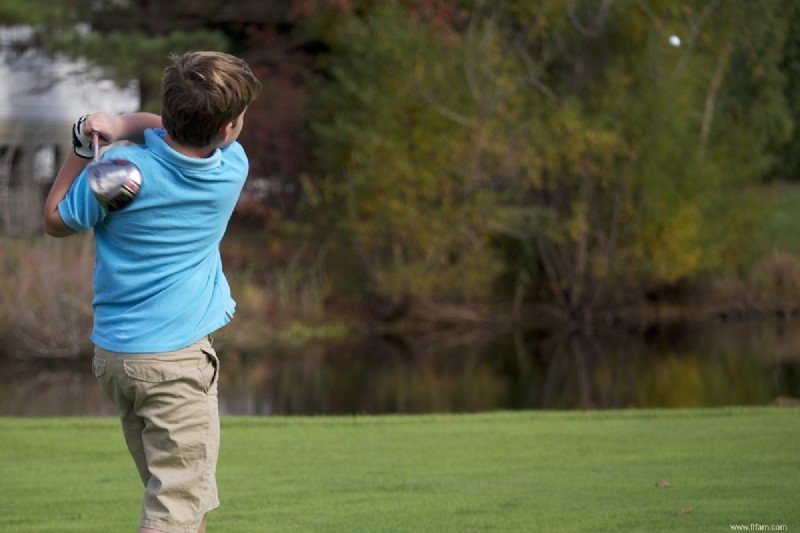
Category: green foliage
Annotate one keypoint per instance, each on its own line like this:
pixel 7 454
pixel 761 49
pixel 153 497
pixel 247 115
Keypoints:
pixel 789 153
pixel 554 151
pixel 571 142
pixel 36 12
pixel 129 41
pixel 400 162
pixel 782 222
pixel 133 55
pixel 749 41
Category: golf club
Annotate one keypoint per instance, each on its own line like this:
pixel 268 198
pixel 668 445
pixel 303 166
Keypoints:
pixel 114 182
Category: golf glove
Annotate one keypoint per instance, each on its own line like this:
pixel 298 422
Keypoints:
pixel 81 142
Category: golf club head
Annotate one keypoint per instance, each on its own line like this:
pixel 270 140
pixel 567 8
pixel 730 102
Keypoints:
pixel 114 182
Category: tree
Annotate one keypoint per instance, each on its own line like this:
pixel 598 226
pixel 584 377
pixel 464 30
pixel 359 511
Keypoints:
pixel 132 40
pixel 397 163
pixel 569 140
pixel 552 151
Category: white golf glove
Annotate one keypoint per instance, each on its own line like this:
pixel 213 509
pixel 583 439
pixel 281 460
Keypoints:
pixel 81 142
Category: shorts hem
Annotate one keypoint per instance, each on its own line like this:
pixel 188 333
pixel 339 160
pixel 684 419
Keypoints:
pixel 166 527
pixel 158 525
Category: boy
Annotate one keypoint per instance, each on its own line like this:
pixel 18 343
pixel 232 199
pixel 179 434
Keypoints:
pixel 159 289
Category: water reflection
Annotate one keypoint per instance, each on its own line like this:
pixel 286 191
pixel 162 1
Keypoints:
pixel 724 364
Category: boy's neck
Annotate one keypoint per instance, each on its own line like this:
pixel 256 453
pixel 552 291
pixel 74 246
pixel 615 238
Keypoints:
pixel 189 151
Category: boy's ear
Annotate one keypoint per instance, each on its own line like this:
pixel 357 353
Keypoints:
pixel 225 130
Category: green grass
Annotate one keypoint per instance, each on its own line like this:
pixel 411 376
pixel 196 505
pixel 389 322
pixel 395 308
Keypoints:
pixel 538 471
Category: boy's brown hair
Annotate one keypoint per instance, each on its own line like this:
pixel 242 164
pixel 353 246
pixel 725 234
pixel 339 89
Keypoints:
pixel 203 91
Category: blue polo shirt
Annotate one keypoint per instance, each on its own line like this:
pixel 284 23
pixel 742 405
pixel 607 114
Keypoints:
pixel 158 280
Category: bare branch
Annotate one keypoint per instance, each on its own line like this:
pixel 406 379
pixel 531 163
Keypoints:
pixel 469 67
pixel 696 27
pixel 532 78
pixel 596 25
pixel 713 91
pixel 442 109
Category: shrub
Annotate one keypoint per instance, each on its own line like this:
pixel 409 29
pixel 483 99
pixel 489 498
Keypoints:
pixel 46 295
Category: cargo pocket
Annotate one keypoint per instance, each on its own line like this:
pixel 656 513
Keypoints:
pixel 98 366
pixel 210 375
pixel 151 371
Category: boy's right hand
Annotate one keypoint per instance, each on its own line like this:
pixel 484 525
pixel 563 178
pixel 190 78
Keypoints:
pixel 106 125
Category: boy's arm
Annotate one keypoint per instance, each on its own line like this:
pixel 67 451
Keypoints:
pixel 111 128
pixel 128 127
pixel 71 169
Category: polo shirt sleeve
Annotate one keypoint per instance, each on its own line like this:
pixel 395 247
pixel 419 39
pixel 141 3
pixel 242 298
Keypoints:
pixel 79 209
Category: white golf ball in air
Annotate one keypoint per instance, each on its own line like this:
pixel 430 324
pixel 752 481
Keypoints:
pixel 675 40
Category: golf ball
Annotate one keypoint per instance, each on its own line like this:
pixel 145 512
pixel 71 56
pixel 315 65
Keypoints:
pixel 675 40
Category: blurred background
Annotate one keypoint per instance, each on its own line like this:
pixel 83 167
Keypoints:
pixel 452 206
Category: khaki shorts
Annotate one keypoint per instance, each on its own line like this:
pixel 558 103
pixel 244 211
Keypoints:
pixel 167 403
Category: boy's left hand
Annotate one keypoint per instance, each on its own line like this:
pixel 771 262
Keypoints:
pixel 81 141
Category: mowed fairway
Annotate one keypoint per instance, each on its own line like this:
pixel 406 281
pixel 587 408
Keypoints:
pixel 538 471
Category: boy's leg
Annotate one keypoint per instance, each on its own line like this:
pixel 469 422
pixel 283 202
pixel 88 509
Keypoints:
pixel 173 397
pixel 132 428
pixel 177 398
pixel 105 365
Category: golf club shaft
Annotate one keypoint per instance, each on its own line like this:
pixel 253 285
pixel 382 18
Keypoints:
pixel 96 145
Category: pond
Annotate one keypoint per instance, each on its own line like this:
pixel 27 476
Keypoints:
pixel 724 364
